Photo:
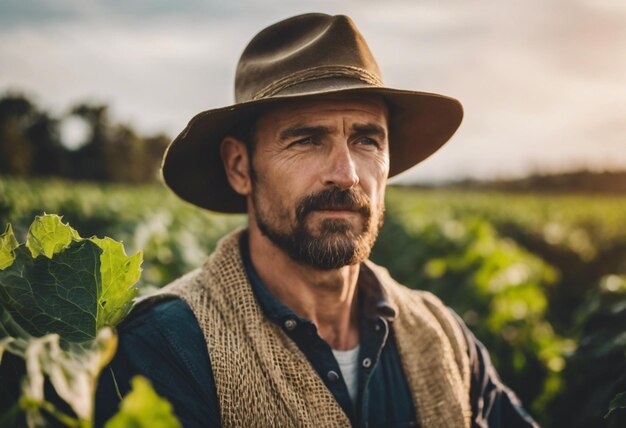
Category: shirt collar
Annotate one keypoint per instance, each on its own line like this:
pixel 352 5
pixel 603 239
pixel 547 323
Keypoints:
pixel 373 298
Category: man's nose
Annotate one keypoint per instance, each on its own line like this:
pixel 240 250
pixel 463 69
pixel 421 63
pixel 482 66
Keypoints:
pixel 341 170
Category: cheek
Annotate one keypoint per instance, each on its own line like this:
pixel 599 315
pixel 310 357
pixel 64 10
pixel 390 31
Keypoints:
pixel 383 175
pixel 293 180
pixel 374 172
pixel 378 202
pixel 383 164
pixel 375 164
pixel 274 196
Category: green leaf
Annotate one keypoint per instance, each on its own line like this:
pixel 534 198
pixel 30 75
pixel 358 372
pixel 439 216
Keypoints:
pixel 119 273
pixel 14 339
pixel 54 311
pixel 8 244
pixel 143 408
pixel 73 372
pixel 8 326
pixel 80 286
pixel 57 295
pixel 48 236
pixel 4 344
pixel 618 402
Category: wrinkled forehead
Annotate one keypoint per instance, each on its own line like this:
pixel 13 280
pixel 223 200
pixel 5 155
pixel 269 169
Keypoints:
pixel 368 106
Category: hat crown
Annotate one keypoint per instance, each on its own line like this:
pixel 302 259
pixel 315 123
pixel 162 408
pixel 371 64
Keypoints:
pixel 301 50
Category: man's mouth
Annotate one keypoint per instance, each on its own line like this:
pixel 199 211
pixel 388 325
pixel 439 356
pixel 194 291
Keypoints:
pixel 334 204
pixel 337 212
pixel 337 208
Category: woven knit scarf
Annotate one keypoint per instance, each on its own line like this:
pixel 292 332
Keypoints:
pixel 264 380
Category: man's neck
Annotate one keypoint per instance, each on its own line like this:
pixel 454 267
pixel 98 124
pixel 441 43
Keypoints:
pixel 326 297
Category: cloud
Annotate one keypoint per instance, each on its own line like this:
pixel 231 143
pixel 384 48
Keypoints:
pixel 17 13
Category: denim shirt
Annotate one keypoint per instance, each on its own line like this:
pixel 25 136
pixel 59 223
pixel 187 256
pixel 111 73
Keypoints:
pixel 164 343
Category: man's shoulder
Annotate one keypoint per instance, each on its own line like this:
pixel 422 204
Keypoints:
pixel 163 332
pixel 165 319
pixel 162 323
pixel 162 341
pixel 156 312
pixel 163 303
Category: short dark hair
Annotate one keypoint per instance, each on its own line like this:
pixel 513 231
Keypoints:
pixel 245 131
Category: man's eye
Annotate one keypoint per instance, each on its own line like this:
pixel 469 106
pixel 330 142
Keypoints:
pixel 366 141
pixel 303 142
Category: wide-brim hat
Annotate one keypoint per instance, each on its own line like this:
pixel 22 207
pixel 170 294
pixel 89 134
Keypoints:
pixel 308 55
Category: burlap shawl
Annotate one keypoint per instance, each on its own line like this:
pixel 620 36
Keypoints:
pixel 264 380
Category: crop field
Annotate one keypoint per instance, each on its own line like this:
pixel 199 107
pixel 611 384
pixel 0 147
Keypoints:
pixel 540 280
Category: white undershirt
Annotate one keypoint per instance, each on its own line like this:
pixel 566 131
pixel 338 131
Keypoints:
pixel 349 366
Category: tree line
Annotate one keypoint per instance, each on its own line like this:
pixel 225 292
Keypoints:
pixel 579 181
pixel 31 144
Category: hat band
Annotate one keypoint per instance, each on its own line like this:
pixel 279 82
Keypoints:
pixel 316 73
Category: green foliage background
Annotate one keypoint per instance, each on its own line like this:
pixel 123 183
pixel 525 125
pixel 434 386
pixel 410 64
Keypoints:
pixel 540 280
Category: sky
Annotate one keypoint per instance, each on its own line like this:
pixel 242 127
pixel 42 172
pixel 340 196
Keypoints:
pixel 542 82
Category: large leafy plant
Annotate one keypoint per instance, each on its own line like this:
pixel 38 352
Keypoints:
pixel 596 372
pixel 61 296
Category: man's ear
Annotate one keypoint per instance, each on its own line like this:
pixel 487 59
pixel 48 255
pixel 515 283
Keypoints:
pixel 236 164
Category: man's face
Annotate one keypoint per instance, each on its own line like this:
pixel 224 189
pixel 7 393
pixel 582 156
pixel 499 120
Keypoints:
pixel 319 172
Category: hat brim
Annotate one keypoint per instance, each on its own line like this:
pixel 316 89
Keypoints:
pixel 419 124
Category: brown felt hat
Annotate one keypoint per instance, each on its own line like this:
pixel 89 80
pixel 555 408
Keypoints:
pixel 305 56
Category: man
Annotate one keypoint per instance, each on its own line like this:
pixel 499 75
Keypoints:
pixel 288 323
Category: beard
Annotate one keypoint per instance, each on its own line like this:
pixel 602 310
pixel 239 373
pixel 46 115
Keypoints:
pixel 335 243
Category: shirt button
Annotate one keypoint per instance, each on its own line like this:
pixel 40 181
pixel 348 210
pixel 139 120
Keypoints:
pixel 367 362
pixel 377 327
pixel 332 376
pixel 290 324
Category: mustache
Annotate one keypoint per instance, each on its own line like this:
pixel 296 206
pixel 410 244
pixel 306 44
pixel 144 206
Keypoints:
pixel 334 199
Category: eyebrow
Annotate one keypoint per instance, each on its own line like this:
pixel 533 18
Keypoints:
pixel 303 131
pixel 306 131
pixel 370 129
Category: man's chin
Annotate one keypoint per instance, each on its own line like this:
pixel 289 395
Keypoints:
pixel 326 250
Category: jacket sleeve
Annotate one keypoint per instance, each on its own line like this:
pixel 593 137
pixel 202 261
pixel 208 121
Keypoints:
pixel 165 344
